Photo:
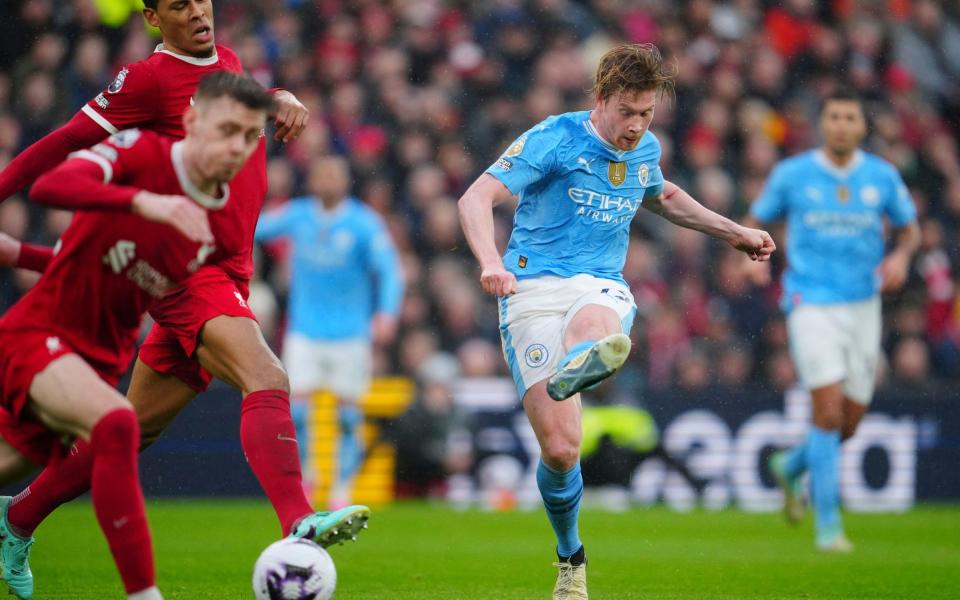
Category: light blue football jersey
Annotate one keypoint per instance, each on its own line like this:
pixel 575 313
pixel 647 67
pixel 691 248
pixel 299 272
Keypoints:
pixel 344 269
pixel 835 236
pixel 578 194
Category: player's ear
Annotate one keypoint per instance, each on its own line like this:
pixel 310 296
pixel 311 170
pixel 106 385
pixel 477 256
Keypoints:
pixel 189 118
pixel 151 17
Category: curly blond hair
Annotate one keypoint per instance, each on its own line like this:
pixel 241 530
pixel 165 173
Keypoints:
pixel 634 68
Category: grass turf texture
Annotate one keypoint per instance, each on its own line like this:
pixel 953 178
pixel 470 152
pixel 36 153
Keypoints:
pixel 206 549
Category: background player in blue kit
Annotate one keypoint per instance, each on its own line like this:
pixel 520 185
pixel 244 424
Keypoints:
pixel 834 200
pixel 565 309
pixel 346 286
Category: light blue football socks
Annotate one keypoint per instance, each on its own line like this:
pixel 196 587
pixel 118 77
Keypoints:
pixel 561 492
pixel 351 448
pixel 823 459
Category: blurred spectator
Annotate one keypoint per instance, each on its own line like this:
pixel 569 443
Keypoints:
pixel 433 436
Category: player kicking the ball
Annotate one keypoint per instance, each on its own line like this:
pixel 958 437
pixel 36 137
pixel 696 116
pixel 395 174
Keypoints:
pixel 143 228
pixel 205 329
pixel 565 310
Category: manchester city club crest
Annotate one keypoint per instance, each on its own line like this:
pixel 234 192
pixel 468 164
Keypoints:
pixel 644 174
pixel 536 355
pixel 117 83
pixel 617 172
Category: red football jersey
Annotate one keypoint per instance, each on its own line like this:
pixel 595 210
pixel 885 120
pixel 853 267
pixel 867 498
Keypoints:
pixel 112 265
pixel 154 94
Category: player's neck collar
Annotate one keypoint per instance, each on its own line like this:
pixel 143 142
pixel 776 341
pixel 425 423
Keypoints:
pixel 592 130
pixel 193 60
pixel 839 172
pixel 204 200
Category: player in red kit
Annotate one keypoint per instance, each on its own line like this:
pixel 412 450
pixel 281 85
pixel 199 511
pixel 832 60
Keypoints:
pixel 206 328
pixel 141 228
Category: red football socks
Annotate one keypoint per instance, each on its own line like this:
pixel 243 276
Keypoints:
pixel 270 445
pixel 118 499
pixel 55 485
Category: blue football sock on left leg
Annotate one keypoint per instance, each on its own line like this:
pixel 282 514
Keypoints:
pixel 573 352
pixel 300 414
pixel 823 458
pixel 350 456
pixel 561 492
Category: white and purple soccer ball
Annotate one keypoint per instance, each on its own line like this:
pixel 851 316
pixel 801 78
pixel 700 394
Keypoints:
pixel 294 569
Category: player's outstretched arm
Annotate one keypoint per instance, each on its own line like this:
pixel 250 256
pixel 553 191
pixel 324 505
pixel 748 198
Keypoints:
pixel 680 208
pixel 77 184
pixel 48 152
pixel 14 253
pixel 476 218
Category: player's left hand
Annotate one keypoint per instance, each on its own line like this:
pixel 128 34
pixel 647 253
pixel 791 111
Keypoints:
pixel 893 271
pixel 9 250
pixel 383 329
pixel 756 243
pixel 291 116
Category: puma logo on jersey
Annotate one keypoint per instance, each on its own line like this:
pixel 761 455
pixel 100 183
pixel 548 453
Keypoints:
pixel 120 255
pixel 586 163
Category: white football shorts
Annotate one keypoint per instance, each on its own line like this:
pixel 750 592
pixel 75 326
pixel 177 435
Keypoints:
pixel 837 343
pixel 342 367
pixel 533 321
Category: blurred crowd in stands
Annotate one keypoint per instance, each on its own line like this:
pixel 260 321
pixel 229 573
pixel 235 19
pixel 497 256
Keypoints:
pixel 422 95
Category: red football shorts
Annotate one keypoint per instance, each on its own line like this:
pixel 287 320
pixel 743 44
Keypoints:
pixel 171 345
pixel 24 354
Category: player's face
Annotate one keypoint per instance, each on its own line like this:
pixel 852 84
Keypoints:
pixel 329 179
pixel 186 25
pixel 624 117
pixel 843 126
pixel 224 133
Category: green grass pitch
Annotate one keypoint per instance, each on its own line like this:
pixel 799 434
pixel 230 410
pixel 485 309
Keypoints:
pixel 206 549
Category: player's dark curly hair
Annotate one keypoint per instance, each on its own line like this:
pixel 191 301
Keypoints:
pixel 634 68
pixel 151 4
pixel 241 88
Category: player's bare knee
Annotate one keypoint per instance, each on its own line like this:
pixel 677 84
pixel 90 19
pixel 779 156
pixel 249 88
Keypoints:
pixel 560 452
pixel 269 376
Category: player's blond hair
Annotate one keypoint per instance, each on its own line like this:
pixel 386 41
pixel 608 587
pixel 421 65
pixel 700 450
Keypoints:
pixel 634 68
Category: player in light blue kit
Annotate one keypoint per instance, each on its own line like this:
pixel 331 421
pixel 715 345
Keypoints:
pixel 345 288
pixel 834 200
pixel 565 309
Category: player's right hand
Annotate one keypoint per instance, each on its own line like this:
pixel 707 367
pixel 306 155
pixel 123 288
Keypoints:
pixel 498 281
pixel 9 250
pixel 180 212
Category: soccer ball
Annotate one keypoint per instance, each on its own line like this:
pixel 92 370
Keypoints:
pixel 294 569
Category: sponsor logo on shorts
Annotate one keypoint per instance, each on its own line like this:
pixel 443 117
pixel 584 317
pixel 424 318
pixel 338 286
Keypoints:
pixel 522 262
pixel 117 83
pixel 617 294
pixel 536 355
pixel 240 299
